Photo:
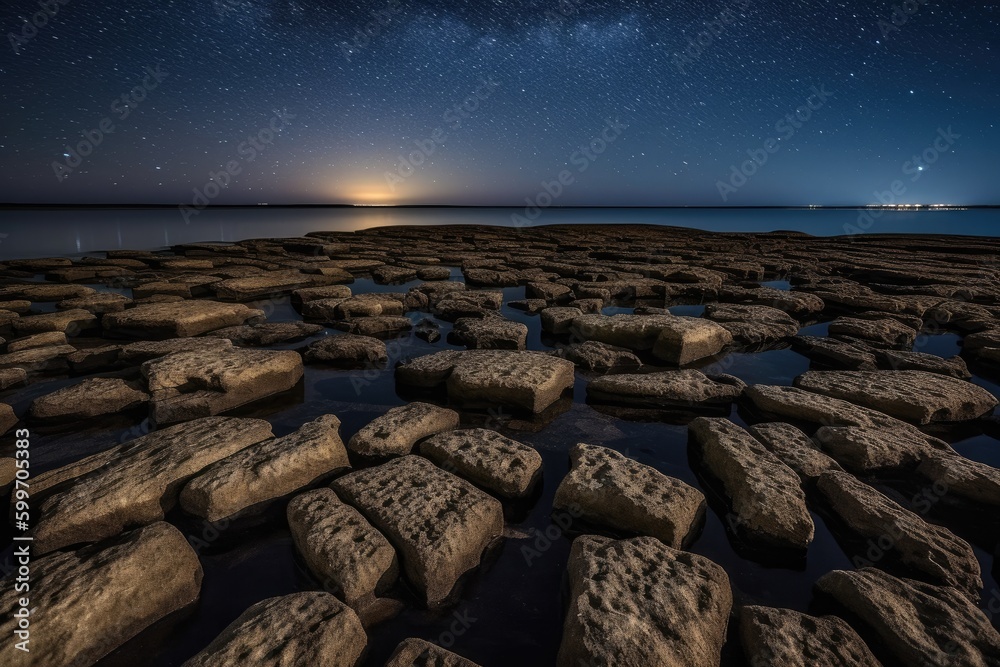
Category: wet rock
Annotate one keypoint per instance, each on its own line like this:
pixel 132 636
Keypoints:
pixel 919 361
pixel 266 470
pixel 134 354
pixel 639 602
pixel 428 330
pixel 559 320
pixel 91 398
pixel 10 377
pixel 100 303
pixel 587 305
pixel 414 652
pixel 347 351
pixel 964 477
pixel 178 320
pixel 389 275
pixel 766 497
pixel 270 333
pixel 268 285
pixel 753 325
pixel 594 356
pixel 51 338
pixel 439 523
pixel 634 332
pixel 136 483
pixel 7 418
pixel 187 385
pixel 689 339
pixel 38 359
pixel 918 623
pixel 69 322
pixel 550 292
pixel 342 550
pixel 467 303
pixel 42 292
pixel 795 449
pixel 19 306
pixel 886 333
pixel 865 449
pixel 490 333
pixel 797 304
pixel 609 489
pixel 773 637
pixel 835 353
pixel 914 396
pixel 307 294
pixel 397 431
pixel 307 628
pixel 8 469
pixel 154 569
pixel 529 305
pixel 686 388
pixel 486 458
pixel 483 277
pixel 434 273
pixel 376 326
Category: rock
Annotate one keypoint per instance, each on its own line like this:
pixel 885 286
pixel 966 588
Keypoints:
pixel 919 361
pixel 7 418
pixel 867 449
pixel 932 551
pixel 689 339
pixel 38 359
pixel 187 385
pixel 308 294
pixel 964 477
pixel 639 602
pixel 12 376
pixel 51 338
pixel 766 497
pixel 360 305
pixel 136 483
pixel 134 354
pixel 376 326
pixel 8 470
pixel 489 333
pixel 835 353
pixel 100 303
pixel 266 470
pixel 41 292
pixel 467 303
pixel 486 458
pixel 397 431
pixel 266 286
pixel 687 388
pixel 347 351
pixel 795 449
pixel 796 304
pixel 595 356
pixel 69 322
pixel 260 335
pixel 914 396
pixel 634 332
pixel 342 550
pixel 419 653
pixel 753 325
pixel 886 333
pixel 83 594
pixel 551 292
pixel 91 398
pixel 439 523
pixel 918 623
pixel 609 489
pixel 177 320
pixel 20 306
pixel 388 275
pixel 434 273
pixel 307 628
pixel 559 320
pixel 791 639
pixel 529 305
pixel 429 370
pixel 428 330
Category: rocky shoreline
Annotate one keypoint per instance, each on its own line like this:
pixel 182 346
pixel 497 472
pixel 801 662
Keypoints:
pixel 520 377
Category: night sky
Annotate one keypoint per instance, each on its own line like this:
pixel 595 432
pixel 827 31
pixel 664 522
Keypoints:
pixel 629 103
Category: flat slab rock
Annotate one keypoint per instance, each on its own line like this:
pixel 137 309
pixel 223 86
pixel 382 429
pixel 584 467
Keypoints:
pixel 914 396
pixel 38 359
pixel 639 602
pixel 791 639
pixel 70 322
pixel 872 449
pixel 267 333
pixel 348 555
pixel 766 497
pixel 835 353
pixel 266 470
pixel 675 340
pixel 753 325
pixel 138 352
pixel 308 628
pixel 37 340
pixel 153 568
pixel 135 483
pixel 490 333
pixel 397 431
pixel 664 389
pixel 885 333
pixel 188 385
pixel 918 623
pixel 610 489
pixel 486 378
pixel 178 320
pixel 594 356
pixel 964 477
pixel 486 458
pixel 439 523
pixel 795 449
pixel 419 653
pixel 347 351
pixel 91 398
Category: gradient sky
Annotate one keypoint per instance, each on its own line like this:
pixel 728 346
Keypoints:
pixel 550 75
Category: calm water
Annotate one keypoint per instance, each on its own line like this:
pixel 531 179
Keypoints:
pixel 36 233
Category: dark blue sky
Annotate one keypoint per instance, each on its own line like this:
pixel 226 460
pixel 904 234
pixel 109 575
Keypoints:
pixel 625 103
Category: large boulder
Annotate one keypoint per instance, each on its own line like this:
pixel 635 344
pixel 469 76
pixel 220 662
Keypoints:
pixel 486 458
pixel 178 320
pixel 91 398
pixel 397 431
pixel 609 489
pixel 136 483
pixel 414 652
pixel 439 523
pixel 639 602
pixel 307 628
pixel 97 598
pixel 767 500
pixel 188 385
pixel 787 638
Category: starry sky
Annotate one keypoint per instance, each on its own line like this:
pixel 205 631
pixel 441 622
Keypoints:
pixel 500 102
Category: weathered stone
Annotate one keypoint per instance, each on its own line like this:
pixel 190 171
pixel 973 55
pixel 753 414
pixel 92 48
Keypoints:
pixel 935 552
pixel 376 326
pixel 41 292
pixel 795 449
pixel 872 449
pixel 439 523
pixel 187 385
pixel 347 351
pixel 887 333
pixel 434 273
pixel 266 470
pixel 308 294
pixel 634 332
pixel 836 353
pixel 100 303
pixel 97 598
pixel 609 489
pixel 688 339
pixel 753 325
pixel 766 497
pixel 268 285
pixel 51 338
pixel 791 639
pixel 88 399
pixel 914 396
pixel 639 602
pixel 269 333
pixel 397 431
pixel 135 483
pixel 559 320
pixel 686 388
pixel 467 303
pixel 414 652
pixel 70 322
pixel 490 333
pixel 38 359
pixel 919 361
pixel 919 623
pixel 595 356
pixel 486 458
pixel 177 320
pixel 296 630
pixel 135 353
pixel 8 469
pixel 796 304
pixel 964 477
pixel 7 418
pixel 12 376
pixel 342 550
pixel 388 275
pixel 20 306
